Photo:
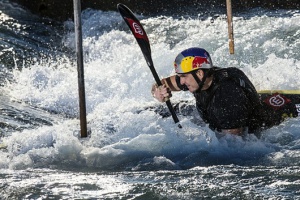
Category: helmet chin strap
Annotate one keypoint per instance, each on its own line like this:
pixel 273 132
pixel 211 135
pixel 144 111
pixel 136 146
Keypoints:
pixel 200 83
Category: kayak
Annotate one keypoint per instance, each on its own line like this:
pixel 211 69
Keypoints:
pixel 279 104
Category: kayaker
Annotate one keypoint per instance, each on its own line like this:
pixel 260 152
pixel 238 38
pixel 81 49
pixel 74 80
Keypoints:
pixel 225 97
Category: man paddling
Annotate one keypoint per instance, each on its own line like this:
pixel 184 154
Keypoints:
pixel 225 98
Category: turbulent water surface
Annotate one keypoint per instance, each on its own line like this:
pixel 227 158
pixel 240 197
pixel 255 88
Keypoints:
pixel 132 152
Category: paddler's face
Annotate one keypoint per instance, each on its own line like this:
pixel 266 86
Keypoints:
pixel 189 80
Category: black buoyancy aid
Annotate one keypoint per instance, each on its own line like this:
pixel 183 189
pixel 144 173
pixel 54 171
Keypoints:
pixel 241 80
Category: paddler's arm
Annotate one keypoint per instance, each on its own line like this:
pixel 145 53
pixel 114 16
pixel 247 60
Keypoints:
pixel 163 93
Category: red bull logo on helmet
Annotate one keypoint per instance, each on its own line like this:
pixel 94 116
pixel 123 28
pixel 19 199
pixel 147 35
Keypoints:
pixel 199 61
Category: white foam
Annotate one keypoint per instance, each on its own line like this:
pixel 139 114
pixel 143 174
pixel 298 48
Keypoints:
pixel 118 83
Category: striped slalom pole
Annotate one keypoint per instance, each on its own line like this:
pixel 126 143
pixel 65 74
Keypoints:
pixel 230 26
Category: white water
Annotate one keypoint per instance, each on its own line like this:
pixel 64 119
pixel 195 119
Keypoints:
pixel 118 83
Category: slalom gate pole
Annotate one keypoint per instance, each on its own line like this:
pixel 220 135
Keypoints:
pixel 230 26
pixel 78 39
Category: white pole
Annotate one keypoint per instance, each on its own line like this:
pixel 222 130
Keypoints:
pixel 78 39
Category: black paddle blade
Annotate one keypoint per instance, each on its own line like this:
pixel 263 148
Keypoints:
pixel 135 27
pixel 137 30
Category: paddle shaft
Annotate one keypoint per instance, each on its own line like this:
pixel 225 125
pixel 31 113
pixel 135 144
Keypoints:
pixel 168 102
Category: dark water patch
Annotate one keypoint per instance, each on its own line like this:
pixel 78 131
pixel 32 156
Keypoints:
pixel 26 38
pixel 17 116
pixel 57 9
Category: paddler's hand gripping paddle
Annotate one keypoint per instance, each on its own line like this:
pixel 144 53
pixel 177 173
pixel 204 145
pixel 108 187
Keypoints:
pixel 143 41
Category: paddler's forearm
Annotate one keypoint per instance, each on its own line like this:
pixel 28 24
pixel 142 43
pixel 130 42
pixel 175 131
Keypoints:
pixel 170 82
